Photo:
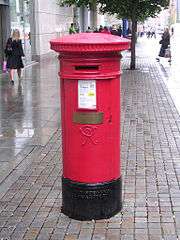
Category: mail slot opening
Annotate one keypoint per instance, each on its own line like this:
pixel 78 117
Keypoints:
pixel 88 68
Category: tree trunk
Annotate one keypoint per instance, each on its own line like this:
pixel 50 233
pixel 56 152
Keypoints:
pixel 133 45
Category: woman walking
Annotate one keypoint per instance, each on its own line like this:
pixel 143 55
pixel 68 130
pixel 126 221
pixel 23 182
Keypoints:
pixel 14 53
pixel 165 42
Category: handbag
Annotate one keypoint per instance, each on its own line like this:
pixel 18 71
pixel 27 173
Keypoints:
pixel 167 53
pixel 4 67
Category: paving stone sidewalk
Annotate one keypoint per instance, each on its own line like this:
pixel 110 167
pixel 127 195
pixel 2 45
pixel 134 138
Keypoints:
pixel 150 154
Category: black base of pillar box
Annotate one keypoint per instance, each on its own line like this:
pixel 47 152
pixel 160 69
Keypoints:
pixel 91 201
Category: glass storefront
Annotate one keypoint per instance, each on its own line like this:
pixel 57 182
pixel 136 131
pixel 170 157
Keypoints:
pixel 15 14
pixel 1 39
pixel 20 19
pixel 4 28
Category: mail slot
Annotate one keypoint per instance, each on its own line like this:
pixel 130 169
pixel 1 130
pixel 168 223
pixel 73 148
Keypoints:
pixel 88 68
pixel 90 113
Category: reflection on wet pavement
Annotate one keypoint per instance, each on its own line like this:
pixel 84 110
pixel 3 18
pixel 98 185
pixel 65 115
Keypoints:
pixel 29 114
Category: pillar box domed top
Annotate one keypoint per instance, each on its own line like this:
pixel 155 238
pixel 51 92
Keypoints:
pixel 90 42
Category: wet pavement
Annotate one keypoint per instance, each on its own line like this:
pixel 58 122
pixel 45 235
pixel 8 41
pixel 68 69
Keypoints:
pixel 29 115
pixel 31 161
pixel 170 72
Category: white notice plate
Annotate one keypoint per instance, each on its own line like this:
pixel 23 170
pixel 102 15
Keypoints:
pixel 87 94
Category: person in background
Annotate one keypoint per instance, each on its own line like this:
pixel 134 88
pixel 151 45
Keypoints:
pixel 165 42
pixel 129 31
pixel 14 53
pixel 153 32
pixel 114 31
pixel 106 30
pixel 29 36
pixel 89 30
pixel 172 31
pixel 96 30
pixel 72 29
pixel 119 31
pixel 101 28
pixel 140 30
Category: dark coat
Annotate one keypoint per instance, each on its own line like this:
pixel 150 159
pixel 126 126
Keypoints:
pixel 114 32
pixel 165 42
pixel 14 53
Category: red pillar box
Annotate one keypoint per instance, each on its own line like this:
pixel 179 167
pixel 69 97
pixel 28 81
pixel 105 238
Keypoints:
pixel 90 109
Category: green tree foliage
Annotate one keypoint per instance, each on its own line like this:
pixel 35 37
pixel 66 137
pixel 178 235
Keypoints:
pixel 134 10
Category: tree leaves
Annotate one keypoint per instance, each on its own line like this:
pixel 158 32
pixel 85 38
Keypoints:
pixel 134 10
pixel 137 9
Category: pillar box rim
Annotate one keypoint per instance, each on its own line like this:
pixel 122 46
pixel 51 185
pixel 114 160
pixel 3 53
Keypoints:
pixel 90 42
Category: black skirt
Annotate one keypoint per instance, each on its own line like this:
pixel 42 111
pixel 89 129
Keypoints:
pixel 162 51
pixel 14 62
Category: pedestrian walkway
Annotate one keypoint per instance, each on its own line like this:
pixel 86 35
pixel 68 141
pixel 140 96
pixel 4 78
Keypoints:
pixel 170 72
pixel 31 160
pixel 29 116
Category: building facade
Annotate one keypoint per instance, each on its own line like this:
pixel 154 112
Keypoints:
pixel 47 21
pixel 38 22
pixel 175 16
pixel 4 26
pixel 174 11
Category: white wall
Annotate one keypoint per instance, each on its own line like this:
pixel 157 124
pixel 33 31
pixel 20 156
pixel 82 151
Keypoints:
pixel 48 21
